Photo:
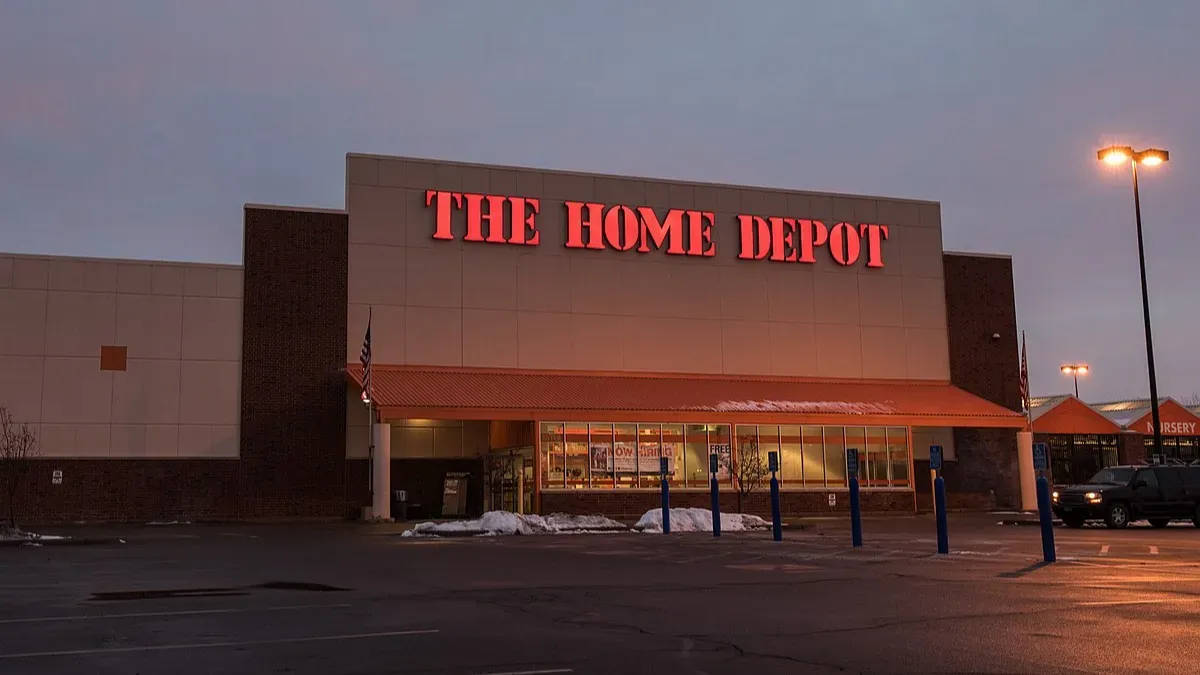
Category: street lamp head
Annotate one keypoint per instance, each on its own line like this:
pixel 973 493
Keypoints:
pixel 1067 370
pixel 1151 157
pixel 1081 369
pixel 1074 368
pixel 1115 154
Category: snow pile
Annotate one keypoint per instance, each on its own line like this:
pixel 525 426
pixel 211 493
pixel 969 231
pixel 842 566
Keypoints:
pixel 11 534
pixel 832 407
pixel 506 522
pixel 699 520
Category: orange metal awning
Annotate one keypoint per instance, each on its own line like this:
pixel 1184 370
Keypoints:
pixel 500 394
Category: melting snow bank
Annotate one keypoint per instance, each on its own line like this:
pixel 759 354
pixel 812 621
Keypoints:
pixel 505 522
pixel 699 520
pixel 8 534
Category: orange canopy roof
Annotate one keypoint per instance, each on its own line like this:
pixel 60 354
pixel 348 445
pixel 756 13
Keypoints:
pixel 501 394
pixel 1072 416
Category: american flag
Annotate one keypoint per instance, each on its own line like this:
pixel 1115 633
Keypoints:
pixel 1024 375
pixel 365 358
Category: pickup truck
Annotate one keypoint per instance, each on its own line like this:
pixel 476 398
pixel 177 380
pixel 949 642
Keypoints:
pixel 1119 495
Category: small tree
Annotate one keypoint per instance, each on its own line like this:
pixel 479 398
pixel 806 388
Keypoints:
pixel 749 471
pixel 18 448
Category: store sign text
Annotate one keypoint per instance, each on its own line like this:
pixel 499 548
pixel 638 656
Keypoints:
pixel 1185 428
pixel 502 219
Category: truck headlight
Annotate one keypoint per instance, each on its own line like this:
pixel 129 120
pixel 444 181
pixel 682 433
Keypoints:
pixel 1054 496
pixel 1093 497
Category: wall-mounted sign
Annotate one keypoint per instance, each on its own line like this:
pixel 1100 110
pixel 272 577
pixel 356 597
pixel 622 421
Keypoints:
pixel 1180 428
pixel 503 219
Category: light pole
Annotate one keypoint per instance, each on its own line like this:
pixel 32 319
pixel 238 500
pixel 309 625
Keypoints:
pixel 1115 155
pixel 1075 370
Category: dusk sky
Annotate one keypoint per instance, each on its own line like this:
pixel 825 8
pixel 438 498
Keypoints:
pixel 138 130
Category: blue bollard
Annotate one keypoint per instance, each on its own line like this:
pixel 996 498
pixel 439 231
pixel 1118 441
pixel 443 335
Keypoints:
pixel 666 507
pixel 939 502
pixel 776 521
pixel 716 508
pixel 1043 500
pixel 855 513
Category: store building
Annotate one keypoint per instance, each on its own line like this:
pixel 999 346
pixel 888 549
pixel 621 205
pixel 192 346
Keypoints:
pixel 1083 438
pixel 540 341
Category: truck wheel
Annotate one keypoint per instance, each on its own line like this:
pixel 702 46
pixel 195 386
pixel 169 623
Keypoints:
pixel 1117 515
pixel 1196 516
pixel 1073 521
pixel 1159 522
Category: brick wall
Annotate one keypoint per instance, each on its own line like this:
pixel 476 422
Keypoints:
pixel 293 349
pixel 139 490
pixel 631 505
pixel 980 304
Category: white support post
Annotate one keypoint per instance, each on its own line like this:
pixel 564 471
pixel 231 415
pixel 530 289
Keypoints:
pixel 381 472
pixel 1025 471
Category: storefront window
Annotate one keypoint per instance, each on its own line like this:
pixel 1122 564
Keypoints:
pixel 601 444
pixel 607 455
pixel 746 446
pixel 1187 448
pixel 577 456
pixel 791 457
pixel 835 456
pixel 897 443
pixel 672 449
pixel 649 451
pixel 856 438
pixel 552 446
pixel 877 457
pixel 814 457
pixel 695 451
pixel 625 454
pixel 719 444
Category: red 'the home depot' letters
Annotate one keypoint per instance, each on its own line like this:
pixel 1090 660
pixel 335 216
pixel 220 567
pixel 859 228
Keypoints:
pixel 518 220
pixel 796 239
pixel 501 219
pixel 590 225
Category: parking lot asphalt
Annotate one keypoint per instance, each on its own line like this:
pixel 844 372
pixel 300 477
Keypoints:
pixel 351 598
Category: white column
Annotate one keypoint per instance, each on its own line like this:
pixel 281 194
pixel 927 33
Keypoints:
pixel 1025 469
pixel 381 483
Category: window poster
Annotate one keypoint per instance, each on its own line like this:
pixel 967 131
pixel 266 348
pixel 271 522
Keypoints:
pixel 601 456
pixel 625 456
pixel 724 459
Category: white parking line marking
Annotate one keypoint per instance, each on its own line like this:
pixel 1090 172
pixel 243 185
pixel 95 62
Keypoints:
pixel 203 645
pixel 191 612
pixel 533 672
pixel 1104 550
pixel 1153 550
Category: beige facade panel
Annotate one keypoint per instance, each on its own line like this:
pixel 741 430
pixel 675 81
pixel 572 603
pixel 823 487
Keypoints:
pixel 490 338
pixel 30 273
pixel 147 392
pixel 209 392
pixel 27 336
pixel 151 326
pixel 212 328
pixel 179 325
pixel 640 312
pixel 77 323
pixel 21 387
